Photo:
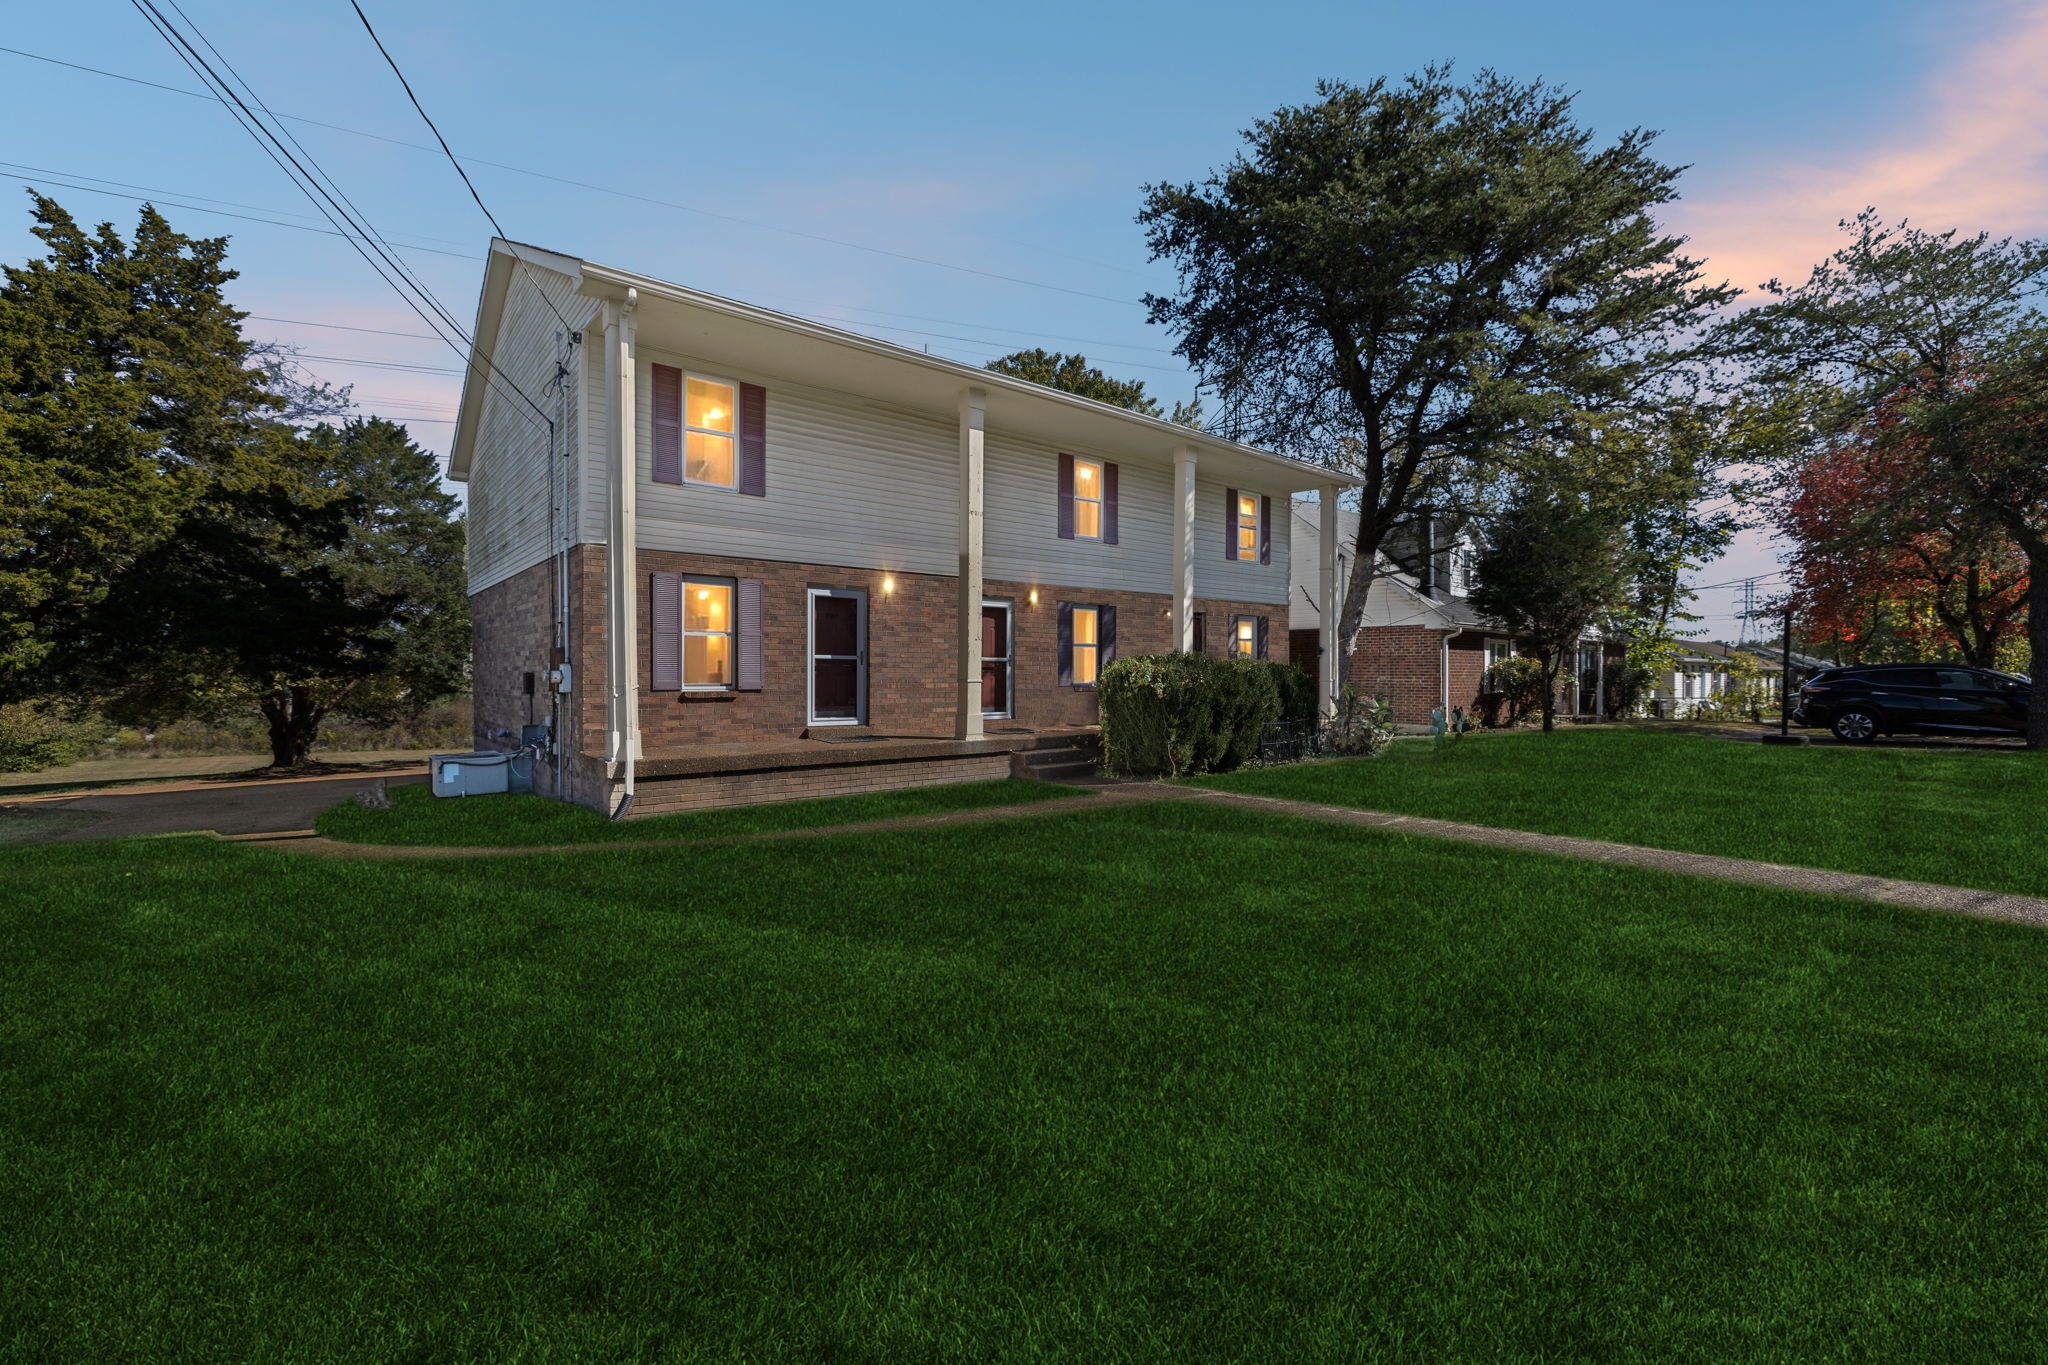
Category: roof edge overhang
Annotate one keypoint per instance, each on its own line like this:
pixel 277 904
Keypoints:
pixel 504 259
pixel 600 281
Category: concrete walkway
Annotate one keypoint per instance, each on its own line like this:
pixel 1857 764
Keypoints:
pixel 261 805
pixel 1956 900
pixel 1996 905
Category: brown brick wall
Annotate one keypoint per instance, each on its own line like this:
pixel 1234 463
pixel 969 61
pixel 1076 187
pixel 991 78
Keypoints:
pixel 656 796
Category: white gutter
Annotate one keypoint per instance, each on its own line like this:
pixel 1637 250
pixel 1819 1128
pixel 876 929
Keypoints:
pixel 624 664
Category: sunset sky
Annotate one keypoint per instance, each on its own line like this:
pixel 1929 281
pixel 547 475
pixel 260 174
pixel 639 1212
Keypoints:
pixel 962 177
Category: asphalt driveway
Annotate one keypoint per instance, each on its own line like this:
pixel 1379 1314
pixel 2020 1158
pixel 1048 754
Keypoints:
pixel 260 806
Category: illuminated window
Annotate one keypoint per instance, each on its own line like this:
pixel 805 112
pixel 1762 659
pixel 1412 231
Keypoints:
pixel 1247 526
pixel 1087 500
pixel 1086 645
pixel 708 432
pixel 1244 637
pixel 707 634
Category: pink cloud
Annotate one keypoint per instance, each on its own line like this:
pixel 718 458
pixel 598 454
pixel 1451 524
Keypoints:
pixel 1969 149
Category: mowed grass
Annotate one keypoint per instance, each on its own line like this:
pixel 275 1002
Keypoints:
pixel 1164 1082
pixel 419 818
pixel 1960 817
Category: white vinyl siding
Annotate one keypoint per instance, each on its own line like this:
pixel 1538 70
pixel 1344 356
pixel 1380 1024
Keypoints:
pixel 1021 534
pixel 507 498
pixel 849 483
pixel 1240 580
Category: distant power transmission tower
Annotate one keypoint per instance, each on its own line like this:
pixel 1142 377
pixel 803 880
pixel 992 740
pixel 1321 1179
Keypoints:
pixel 1748 610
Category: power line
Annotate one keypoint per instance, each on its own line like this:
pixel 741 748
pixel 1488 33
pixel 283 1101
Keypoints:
pixel 366 241
pixel 622 194
pixel 466 181
pixel 48 179
pixel 342 327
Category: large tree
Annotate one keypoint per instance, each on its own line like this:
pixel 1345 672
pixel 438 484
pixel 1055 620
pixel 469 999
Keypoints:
pixel 124 397
pixel 1864 563
pixel 1405 279
pixel 1946 331
pixel 1073 374
pixel 173 544
pixel 1554 567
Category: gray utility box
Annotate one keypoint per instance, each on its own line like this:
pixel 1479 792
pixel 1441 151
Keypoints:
pixel 480 774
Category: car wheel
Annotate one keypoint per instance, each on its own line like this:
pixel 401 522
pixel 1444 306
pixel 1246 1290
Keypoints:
pixel 1855 726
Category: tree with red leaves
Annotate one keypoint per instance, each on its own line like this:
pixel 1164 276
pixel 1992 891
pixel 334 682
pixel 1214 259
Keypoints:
pixel 1951 328
pixel 1879 572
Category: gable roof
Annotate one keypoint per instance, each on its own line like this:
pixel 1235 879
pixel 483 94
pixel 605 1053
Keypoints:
pixel 690 321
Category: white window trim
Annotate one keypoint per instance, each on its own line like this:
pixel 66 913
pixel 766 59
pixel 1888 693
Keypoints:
pixel 732 643
pixel 733 435
pixel 1101 507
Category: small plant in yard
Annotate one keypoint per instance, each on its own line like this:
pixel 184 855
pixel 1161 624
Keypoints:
pixel 1363 726
pixel 1518 684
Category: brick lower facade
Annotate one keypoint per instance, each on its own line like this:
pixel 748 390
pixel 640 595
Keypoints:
pixel 912 632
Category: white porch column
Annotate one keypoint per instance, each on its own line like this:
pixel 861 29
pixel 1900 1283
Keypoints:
pixel 622 680
pixel 1330 661
pixel 973 435
pixel 1184 549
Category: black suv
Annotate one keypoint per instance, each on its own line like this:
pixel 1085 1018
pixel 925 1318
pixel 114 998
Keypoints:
pixel 1860 704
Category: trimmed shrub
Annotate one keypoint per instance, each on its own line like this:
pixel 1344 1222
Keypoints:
pixel 1519 684
pixel 1626 685
pixel 1175 715
pixel 1297 691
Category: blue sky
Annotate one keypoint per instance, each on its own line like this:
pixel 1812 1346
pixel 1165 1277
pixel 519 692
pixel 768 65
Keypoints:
pixel 1001 141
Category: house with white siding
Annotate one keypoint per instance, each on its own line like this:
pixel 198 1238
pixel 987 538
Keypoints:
pixel 853 565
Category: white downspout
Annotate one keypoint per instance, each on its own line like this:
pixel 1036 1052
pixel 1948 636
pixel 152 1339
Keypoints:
pixel 624 683
pixel 1444 643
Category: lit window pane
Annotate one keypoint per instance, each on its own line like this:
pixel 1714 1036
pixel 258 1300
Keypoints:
pixel 1084 625
pixel 707 606
pixel 708 405
pixel 1247 507
pixel 708 459
pixel 707 660
pixel 1088 520
pixel 1084 663
pixel 1247 542
pixel 1087 479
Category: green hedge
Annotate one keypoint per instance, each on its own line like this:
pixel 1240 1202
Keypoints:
pixel 1179 714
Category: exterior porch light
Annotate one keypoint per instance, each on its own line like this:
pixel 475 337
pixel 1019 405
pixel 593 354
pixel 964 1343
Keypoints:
pixel 1034 597
pixel 888 583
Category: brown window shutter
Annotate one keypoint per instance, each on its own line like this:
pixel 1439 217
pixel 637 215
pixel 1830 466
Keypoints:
pixel 1066 618
pixel 1108 503
pixel 1230 523
pixel 753 479
pixel 1201 642
pixel 667 415
pixel 665 630
pixel 1260 644
pixel 747 627
pixel 1265 534
pixel 1066 497
pixel 1105 635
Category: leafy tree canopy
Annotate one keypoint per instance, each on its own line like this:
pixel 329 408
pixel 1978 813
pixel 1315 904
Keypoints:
pixel 1936 347
pixel 173 545
pixel 1073 374
pixel 1405 280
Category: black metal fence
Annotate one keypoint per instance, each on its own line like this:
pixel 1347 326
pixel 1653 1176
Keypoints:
pixel 1290 741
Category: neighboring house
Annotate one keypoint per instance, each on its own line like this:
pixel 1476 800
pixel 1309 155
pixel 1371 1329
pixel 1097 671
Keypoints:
pixel 1701 677
pixel 1422 643
pixel 834 538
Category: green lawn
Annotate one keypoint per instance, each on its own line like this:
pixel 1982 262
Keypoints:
pixel 1962 817
pixel 417 817
pixel 1162 1082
